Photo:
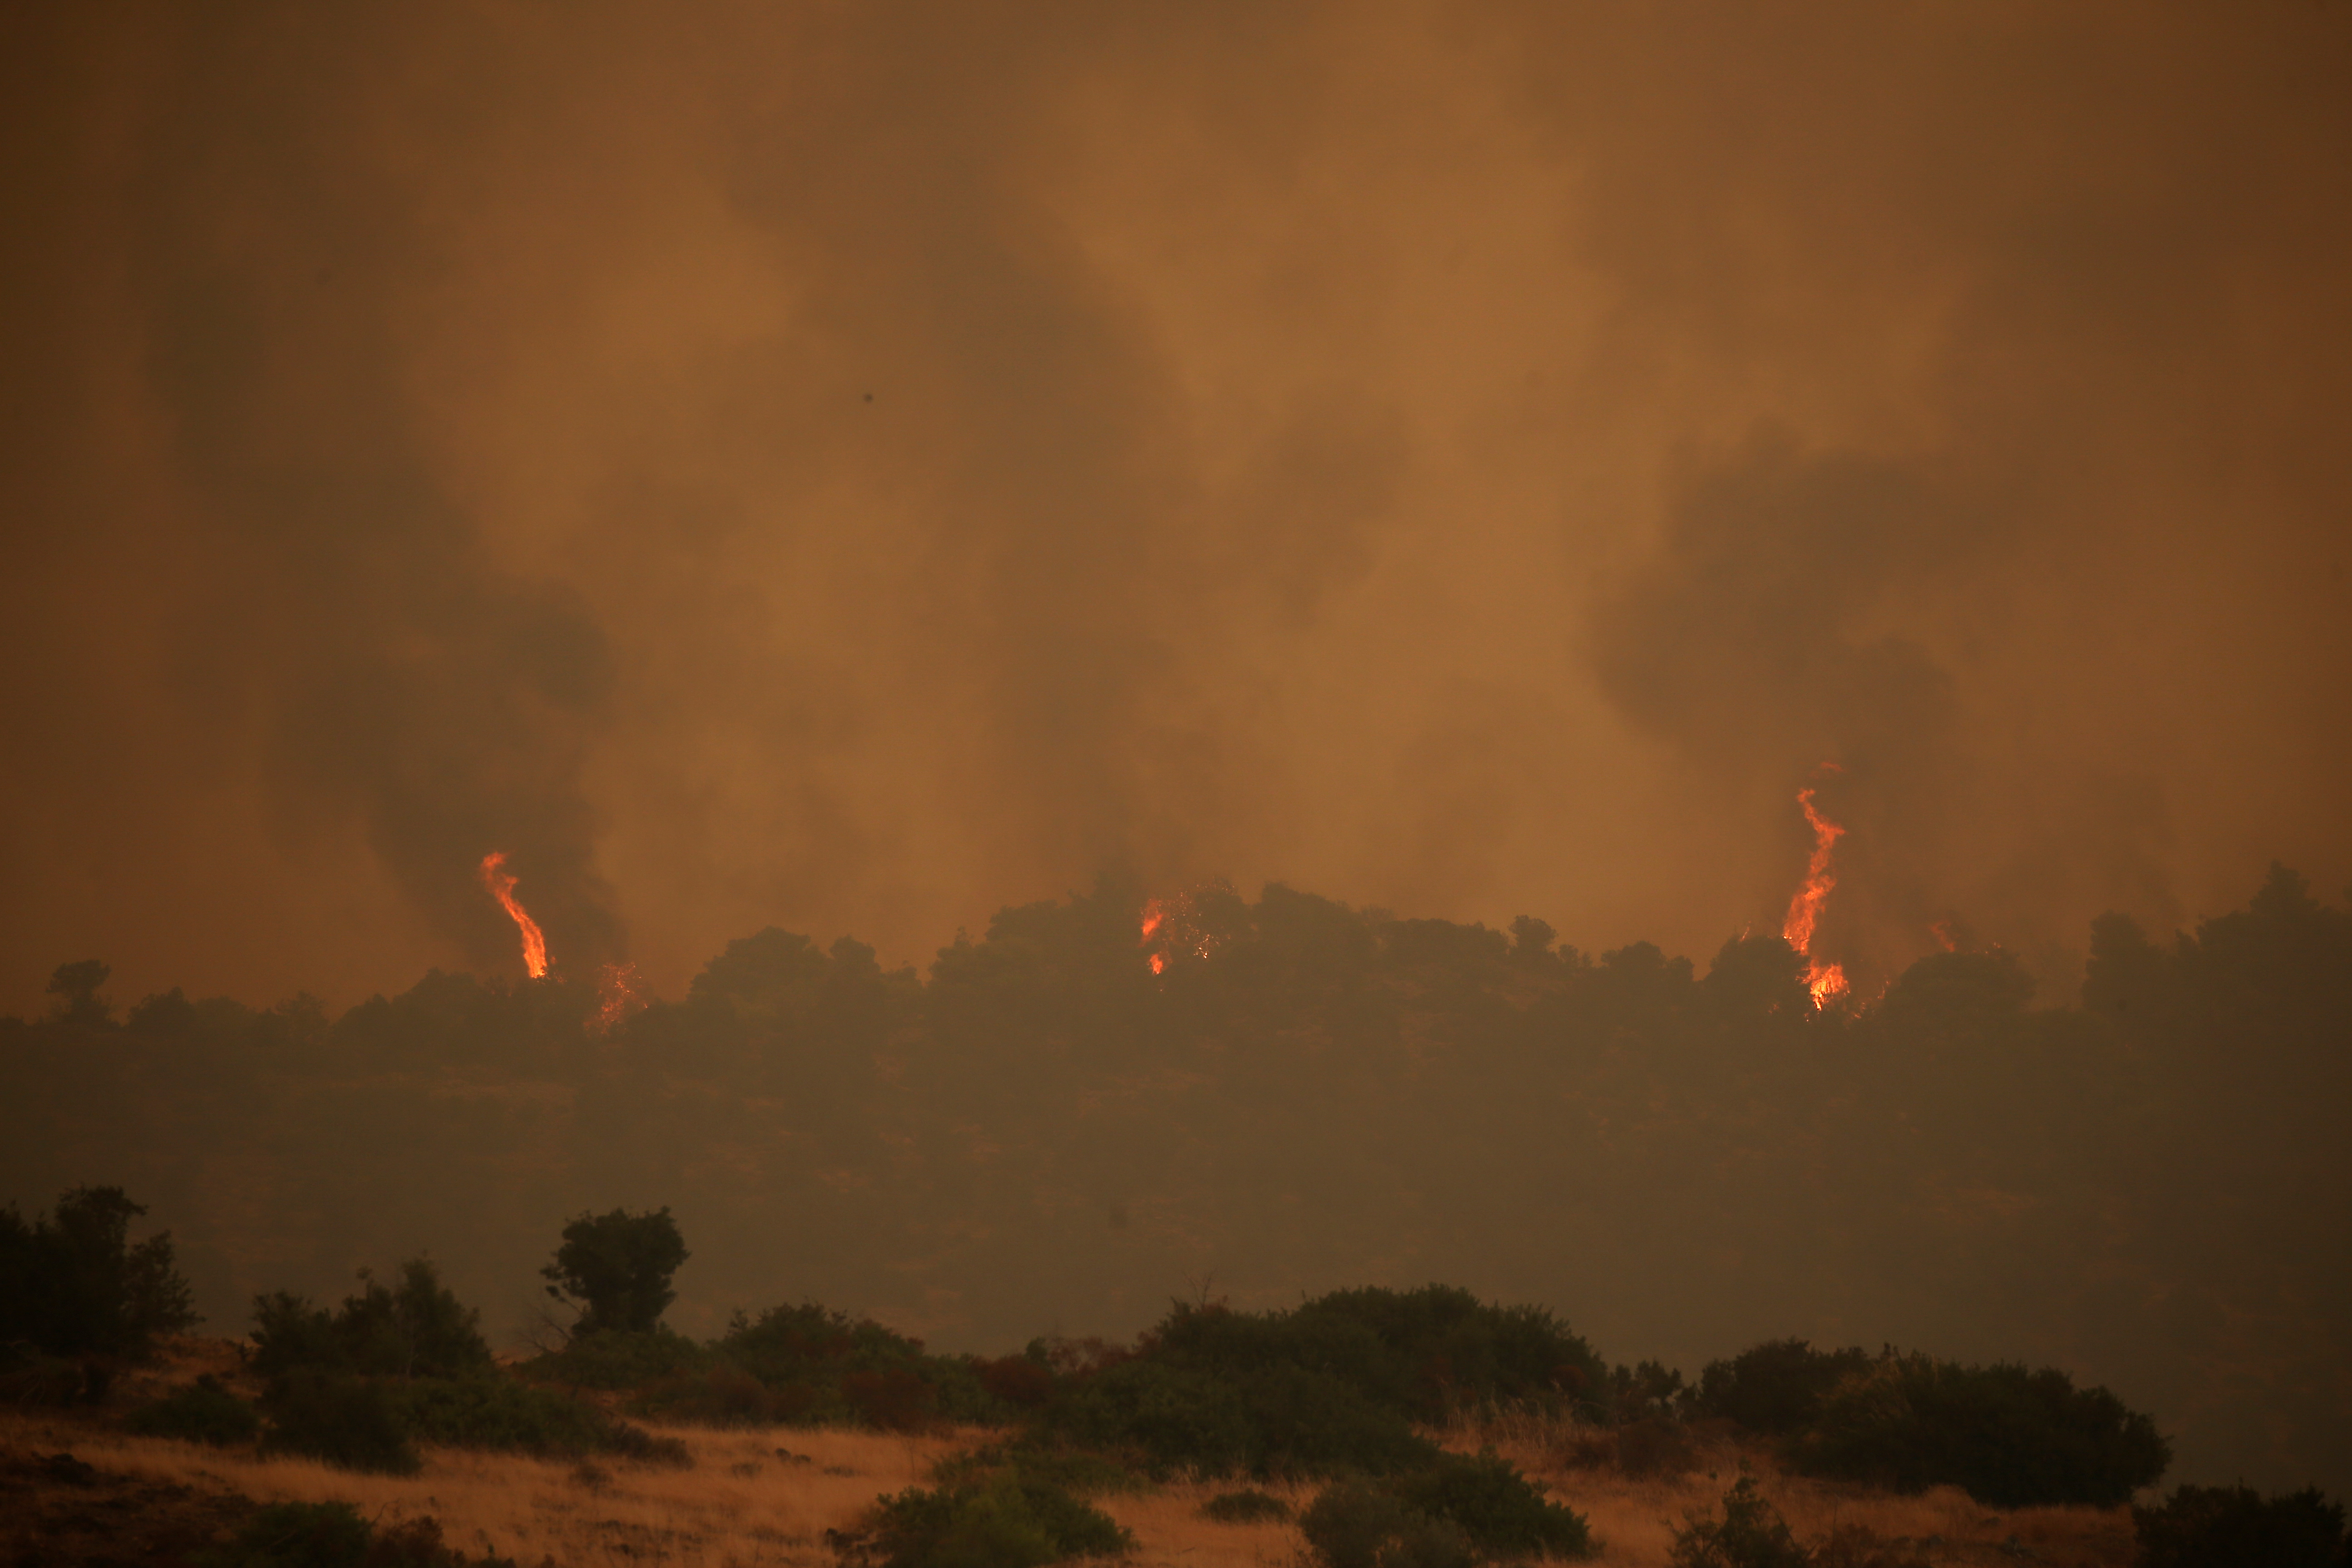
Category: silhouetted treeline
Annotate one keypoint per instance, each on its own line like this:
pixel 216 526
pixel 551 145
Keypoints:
pixel 2151 1190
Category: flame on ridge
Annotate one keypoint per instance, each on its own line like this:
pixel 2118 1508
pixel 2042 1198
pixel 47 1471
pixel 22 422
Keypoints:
pixel 1167 925
pixel 501 884
pixel 1825 980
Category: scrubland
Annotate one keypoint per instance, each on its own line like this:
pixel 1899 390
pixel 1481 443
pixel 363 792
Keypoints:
pixel 769 1495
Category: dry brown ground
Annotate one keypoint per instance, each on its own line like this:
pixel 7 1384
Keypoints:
pixel 758 1498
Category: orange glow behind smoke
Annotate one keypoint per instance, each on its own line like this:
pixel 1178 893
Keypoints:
pixel 501 883
pixel 1825 980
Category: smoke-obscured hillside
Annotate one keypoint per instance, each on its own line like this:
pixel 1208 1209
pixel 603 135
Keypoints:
pixel 2151 1190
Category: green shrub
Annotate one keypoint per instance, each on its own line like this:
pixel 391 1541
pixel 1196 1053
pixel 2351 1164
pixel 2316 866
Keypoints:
pixel 416 1328
pixel 1007 1521
pixel 615 1268
pixel 199 1412
pixel 1166 1415
pixel 33 1376
pixel 616 1359
pixel 335 1535
pixel 500 1413
pixel 352 1422
pixel 1244 1508
pixel 1503 1513
pixel 1074 1470
pixel 1654 1445
pixel 1274 1419
pixel 1355 1525
pixel 1421 1354
pixel 2227 1527
pixel 72 1285
pixel 1775 1387
pixel 2010 1437
pixel 1750 1534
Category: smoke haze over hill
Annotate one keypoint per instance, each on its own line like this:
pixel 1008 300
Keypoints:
pixel 844 465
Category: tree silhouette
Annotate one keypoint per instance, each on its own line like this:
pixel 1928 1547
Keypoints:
pixel 616 1268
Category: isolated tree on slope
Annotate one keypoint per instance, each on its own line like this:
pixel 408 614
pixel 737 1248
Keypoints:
pixel 616 1268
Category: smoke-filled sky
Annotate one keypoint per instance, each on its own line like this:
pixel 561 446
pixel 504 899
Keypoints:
pixel 854 466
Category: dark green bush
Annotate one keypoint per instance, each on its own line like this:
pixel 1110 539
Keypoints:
pixel 352 1422
pixel 1750 1534
pixel 1007 1521
pixel 415 1329
pixel 1074 1470
pixel 615 1268
pixel 495 1412
pixel 1421 1354
pixel 2009 1436
pixel 72 1285
pixel 335 1535
pixel 1244 1508
pixel 199 1412
pixel 615 1360
pixel 1504 1514
pixel 2236 1527
pixel 1778 1386
pixel 1356 1524
pixel 1166 1415
pixel 803 1365
pixel 1654 1445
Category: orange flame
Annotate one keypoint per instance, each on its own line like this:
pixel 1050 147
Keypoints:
pixel 501 884
pixel 1168 924
pixel 1825 980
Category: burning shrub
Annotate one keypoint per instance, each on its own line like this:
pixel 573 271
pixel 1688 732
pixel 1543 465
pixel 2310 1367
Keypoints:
pixel 2010 1437
pixel 1750 1534
pixel 199 1412
pixel 1775 1387
pixel 2221 1527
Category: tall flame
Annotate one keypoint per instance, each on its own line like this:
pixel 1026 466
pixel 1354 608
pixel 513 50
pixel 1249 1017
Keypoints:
pixel 501 884
pixel 1825 980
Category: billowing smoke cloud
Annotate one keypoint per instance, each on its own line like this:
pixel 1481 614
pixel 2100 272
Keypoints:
pixel 855 468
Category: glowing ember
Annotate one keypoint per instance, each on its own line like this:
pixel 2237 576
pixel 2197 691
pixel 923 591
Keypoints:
pixel 616 993
pixel 1825 980
pixel 1943 930
pixel 501 884
pixel 1171 925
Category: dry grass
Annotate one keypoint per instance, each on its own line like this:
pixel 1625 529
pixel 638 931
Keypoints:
pixel 741 1504
pixel 1634 1519
pixel 744 1503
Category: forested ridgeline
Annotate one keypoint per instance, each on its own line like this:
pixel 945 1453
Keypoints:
pixel 2151 1189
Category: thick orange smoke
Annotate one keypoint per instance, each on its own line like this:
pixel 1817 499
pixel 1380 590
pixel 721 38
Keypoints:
pixel 501 883
pixel 1825 980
